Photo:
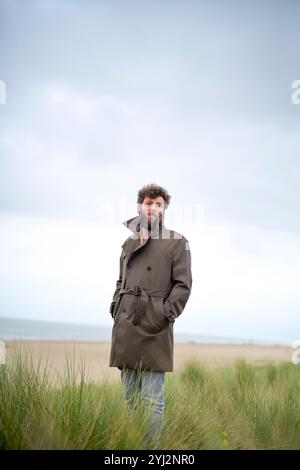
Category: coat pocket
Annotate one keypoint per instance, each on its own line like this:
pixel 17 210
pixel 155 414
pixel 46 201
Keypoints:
pixel 160 320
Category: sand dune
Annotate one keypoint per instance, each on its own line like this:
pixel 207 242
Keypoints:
pixel 95 355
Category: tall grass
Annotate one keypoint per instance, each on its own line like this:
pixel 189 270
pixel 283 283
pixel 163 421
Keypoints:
pixel 239 407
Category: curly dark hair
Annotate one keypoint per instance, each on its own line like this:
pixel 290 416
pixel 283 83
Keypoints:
pixel 153 190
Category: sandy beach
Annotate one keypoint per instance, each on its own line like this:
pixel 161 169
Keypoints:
pixel 95 355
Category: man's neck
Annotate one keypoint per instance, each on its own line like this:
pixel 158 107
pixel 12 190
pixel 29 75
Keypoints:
pixel 144 234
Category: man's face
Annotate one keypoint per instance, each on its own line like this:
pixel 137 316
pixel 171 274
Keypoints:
pixel 151 211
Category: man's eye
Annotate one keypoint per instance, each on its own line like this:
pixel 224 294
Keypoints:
pixel 150 204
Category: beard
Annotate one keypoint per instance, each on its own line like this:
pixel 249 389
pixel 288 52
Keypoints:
pixel 151 225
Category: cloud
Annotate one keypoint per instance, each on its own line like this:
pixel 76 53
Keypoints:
pixel 74 147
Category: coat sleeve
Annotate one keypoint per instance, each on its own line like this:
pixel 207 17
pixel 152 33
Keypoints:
pixel 118 286
pixel 181 281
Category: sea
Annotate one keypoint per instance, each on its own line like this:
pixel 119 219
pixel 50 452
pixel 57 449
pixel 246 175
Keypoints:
pixel 37 330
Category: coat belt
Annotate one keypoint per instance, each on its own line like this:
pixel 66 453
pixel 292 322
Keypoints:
pixel 137 290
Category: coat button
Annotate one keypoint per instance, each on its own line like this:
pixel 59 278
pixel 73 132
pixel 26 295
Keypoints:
pixel 148 267
pixel 124 309
pixel 128 266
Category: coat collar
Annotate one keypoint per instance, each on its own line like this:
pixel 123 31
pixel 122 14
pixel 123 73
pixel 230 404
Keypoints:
pixel 134 224
pixel 132 243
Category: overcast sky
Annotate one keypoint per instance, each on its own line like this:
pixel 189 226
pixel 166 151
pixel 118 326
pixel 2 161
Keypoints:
pixel 103 97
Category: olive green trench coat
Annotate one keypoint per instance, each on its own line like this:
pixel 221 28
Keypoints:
pixel 154 284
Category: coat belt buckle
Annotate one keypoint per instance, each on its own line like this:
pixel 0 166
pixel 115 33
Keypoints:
pixel 137 290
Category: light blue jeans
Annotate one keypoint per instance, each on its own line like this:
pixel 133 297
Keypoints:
pixel 149 386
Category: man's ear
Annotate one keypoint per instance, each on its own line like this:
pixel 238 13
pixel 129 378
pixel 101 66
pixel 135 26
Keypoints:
pixel 138 208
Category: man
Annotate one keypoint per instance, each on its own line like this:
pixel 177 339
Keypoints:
pixel 154 285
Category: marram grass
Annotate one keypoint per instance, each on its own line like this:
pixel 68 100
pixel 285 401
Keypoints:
pixel 239 407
